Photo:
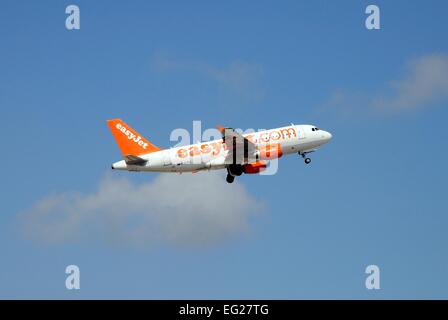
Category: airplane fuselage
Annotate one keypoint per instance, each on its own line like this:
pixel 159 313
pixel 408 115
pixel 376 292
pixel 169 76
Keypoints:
pixel 212 155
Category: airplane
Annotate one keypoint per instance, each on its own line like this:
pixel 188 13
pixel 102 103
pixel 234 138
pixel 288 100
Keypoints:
pixel 237 153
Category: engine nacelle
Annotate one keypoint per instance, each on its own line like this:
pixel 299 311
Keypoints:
pixel 269 152
pixel 254 168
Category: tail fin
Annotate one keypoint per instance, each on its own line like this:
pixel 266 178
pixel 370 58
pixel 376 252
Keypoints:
pixel 128 140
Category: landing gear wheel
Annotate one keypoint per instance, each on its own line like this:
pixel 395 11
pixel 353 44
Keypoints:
pixel 307 160
pixel 230 178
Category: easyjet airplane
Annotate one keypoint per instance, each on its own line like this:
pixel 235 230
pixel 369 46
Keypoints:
pixel 238 153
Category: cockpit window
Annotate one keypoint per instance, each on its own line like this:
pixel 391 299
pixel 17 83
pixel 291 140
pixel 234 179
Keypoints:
pixel 312 129
pixel 315 129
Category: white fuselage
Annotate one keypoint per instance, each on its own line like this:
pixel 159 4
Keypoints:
pixel 211 155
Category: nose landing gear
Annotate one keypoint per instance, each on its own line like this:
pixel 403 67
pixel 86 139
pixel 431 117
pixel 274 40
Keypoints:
pixel 303 154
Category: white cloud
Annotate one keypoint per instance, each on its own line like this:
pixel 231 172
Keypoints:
pixel 242 78
pixel 183 210
pixel 425 83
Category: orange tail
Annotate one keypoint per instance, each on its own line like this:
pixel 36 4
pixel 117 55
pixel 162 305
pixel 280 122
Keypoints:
pixel 128 140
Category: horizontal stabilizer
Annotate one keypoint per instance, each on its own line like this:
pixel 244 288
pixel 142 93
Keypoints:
pixel 134 160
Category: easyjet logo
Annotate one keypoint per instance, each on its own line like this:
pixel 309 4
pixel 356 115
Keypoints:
pixel 214 148
pixel 132 136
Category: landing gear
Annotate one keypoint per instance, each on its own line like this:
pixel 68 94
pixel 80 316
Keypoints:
pixel 233 171
pixel 230 178
pixel 303 154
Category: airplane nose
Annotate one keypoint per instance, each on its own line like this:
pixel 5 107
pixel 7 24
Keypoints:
pixel 326 136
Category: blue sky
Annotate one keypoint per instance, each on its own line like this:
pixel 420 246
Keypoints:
pixel 375 195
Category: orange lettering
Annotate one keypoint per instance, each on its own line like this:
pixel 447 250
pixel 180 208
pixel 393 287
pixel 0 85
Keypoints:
pixel 194 151
pixel 216 148
pixel 182 153
pixel 205 148
pixel 275 135
pixel 264 137
pixel 288 133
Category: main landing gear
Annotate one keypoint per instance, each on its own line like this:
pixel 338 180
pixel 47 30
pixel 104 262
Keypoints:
pixel 233 171
pixel 230 178
pixel 303 154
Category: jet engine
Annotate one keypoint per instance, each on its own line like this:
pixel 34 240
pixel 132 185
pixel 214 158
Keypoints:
pixel 254 168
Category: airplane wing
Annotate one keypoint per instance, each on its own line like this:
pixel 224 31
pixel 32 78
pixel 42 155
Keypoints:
pixel 241 150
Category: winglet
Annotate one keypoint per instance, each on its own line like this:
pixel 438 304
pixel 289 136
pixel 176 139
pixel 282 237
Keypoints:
pixel 220 128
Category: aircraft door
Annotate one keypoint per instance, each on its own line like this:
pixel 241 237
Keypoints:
pixel 167 159
pixel 301 132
